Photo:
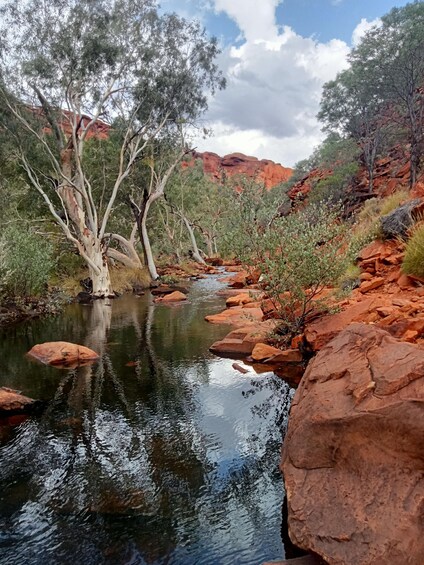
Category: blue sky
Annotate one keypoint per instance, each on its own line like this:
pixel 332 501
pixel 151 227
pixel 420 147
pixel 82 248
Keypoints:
pixel 276 54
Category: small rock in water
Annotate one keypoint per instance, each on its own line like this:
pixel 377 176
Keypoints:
pixel 176 296
pixel 63 354
pixel 13 402
pixel 240 369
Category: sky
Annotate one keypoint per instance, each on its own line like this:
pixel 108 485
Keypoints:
pixel 276 55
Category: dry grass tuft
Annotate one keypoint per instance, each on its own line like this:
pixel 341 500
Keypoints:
pixel 413 261
pixel 125 279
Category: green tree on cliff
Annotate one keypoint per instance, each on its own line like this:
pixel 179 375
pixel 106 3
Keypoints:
pixel 385 82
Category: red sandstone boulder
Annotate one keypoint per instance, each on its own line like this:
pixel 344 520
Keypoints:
pixel 63 354
pixel 239 300
pixel 320 332
pixel 238 280
pixel 242 340
pixel 376 250
pixel 240 369
pixel 353 455
pixel 12 402
pixel 267 354
pixel 237 316
pixel 175 296
pixel 371 284
pixel 263 351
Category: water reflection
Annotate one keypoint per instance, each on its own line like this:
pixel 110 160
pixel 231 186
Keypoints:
pixel 172 459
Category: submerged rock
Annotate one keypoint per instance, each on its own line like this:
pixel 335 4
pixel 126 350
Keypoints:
pixel 13 402
pixel 353 456
pixel 63 354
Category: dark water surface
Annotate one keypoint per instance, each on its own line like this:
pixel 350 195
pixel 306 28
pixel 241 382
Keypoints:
pixel 172 459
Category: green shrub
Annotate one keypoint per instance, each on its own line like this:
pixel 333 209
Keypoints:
pixel 302 255
pixel 413 261
pixel 69 263
pixel 332 189
pixel 26 262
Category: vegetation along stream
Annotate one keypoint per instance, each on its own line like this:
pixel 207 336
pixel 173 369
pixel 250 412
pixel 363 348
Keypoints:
pixel 159 453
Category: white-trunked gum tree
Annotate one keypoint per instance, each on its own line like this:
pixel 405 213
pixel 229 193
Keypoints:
pixel 76 70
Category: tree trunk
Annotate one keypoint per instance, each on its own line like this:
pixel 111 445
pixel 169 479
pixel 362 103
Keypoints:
pixel 208 241
pixel 145 242
pixel 98 267
pixel 128 256
pixel 414 164
pixel 371 179
pixel 196 255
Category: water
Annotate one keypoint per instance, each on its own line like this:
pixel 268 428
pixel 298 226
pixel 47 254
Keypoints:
pixel 159 453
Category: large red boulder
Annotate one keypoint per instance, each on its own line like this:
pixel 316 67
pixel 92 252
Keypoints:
pixel 63 354
pixel 353 457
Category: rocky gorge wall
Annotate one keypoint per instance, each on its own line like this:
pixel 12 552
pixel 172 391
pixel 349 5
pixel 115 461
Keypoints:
pixel 219 168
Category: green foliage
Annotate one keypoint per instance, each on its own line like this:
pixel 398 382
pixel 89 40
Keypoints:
pixel 252 210
pixel 339 155
pixel 74 63
pixel 169 279
pixel 334 150
pixel 413 261
pixel 332 189
pixel 300 256
pixel 382 86
pixel 367 227
pixel 69 263
pixel 26 261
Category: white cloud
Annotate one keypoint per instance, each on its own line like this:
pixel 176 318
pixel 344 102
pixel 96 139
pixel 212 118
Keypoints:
pixel 362 28
pixel 274 87
pixel 256 20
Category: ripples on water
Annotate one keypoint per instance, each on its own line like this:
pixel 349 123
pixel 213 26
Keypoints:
pixel 170 459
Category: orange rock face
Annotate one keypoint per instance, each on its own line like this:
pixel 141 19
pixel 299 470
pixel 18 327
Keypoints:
pixel 265 171
pixel 320 332
pixel 390 174
pixel 63 354
pixel 353 455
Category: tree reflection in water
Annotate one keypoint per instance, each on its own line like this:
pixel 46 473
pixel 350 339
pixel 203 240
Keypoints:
pixel 148 463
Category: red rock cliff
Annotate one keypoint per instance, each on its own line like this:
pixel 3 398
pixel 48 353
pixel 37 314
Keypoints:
pixel 236 163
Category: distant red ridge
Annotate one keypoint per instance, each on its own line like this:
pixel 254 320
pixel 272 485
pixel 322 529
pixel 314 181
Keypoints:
pixel 264 170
